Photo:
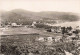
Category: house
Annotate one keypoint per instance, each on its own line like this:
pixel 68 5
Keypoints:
pixel 33 24
pixel 41 39
pixel 45 39
pixel 49 39
pixel 15 25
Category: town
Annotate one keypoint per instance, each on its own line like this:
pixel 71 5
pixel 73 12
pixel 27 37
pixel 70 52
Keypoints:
pixel 40 39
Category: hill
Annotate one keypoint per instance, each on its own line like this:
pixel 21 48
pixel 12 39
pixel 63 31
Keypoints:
pixel 68 24
pixel 21 16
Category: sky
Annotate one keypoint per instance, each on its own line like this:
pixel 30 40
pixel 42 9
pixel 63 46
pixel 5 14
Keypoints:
pixel 41 5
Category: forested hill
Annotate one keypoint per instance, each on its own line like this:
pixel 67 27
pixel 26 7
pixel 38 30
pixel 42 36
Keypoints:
pixel 21 16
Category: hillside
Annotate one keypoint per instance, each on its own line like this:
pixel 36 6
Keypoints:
pixel 67 24
pixel 21 16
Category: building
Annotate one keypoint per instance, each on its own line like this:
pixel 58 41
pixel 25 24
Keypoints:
pixel 33 24
pixel 13 24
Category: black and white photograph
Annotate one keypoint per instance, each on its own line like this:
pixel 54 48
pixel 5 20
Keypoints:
pixel 39 27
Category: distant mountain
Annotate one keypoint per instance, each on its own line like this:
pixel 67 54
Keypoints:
pixel 27 17
pixel 63 16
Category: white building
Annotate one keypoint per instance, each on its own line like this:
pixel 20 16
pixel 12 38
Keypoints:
pixel 33 24
pixel 13 24
pixel 49 39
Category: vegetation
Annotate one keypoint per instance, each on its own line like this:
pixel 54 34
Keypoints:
pixel 19 44
pixel 41 25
